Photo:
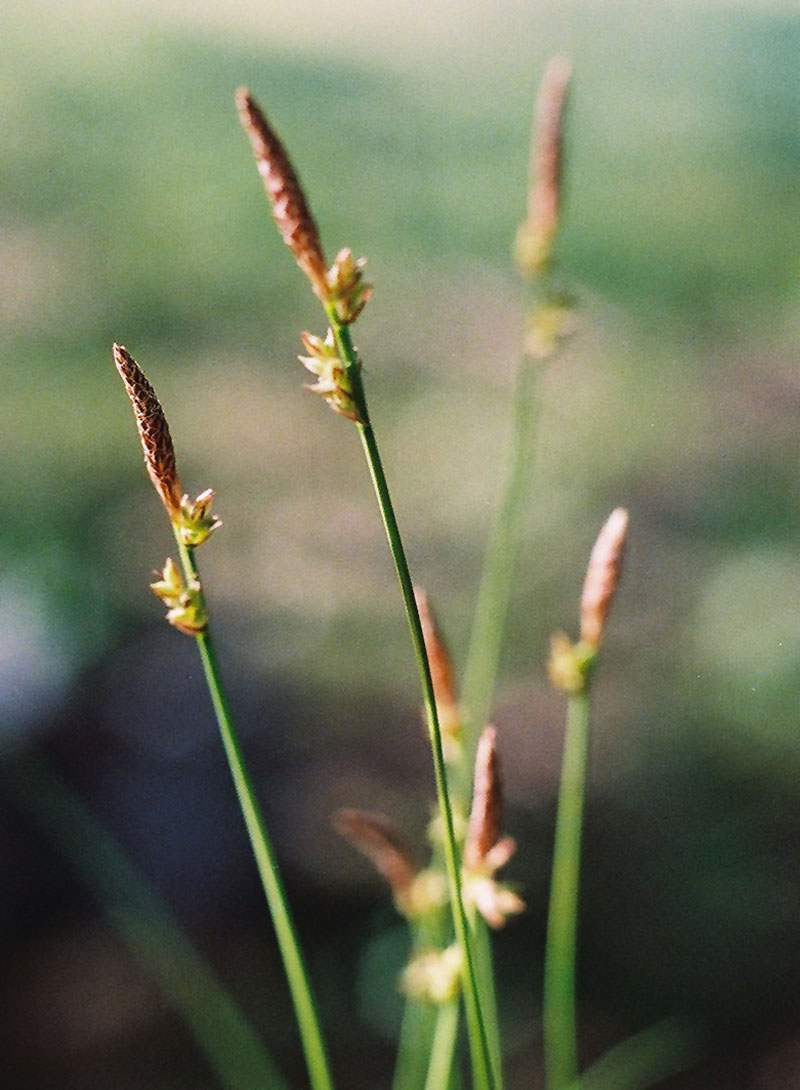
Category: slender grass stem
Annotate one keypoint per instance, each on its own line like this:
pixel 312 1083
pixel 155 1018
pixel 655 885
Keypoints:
pixel 494 593
pixel 476 1026
pixel 559 1015
pixel 294 965
pixel 485 967
pixel 416 1035
pixel 443 1048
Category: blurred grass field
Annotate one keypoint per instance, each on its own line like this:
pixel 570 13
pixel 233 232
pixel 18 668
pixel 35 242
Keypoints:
pixel 130 211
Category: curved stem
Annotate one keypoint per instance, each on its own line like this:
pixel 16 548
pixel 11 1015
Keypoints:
pixel 294 965
pixel 476 1026
pixel 559 1014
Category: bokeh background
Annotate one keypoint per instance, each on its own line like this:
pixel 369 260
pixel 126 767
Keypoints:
pixel 130 210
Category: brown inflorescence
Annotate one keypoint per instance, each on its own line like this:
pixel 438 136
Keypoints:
pixel 289 204
pixel 442 673
pixel 536 235
pixel 487 801
pixel 380 841
pixel 485 851
pixel 602 577
pixel 159 453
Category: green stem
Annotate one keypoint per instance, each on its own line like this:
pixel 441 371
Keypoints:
pixel 494 594
pixel 294 965
pixel 476 1026
pixel 485 967
pixel 443 1049
pixel 419 1017
pixel 559 1014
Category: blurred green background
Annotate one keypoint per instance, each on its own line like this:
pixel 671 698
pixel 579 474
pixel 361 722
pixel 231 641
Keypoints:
pixel 130 210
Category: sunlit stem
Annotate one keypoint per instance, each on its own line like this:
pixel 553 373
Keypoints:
pixel 294 965
pixel 559 1014
pixel 476 1027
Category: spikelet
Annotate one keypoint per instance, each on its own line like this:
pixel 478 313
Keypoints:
pixel 442 676
pixel 487 801
pixel 193 520
pixel 602 577
pixel 159 453
pixel 289 205
pixel 485 851
pixel 380 841
pixel 533 247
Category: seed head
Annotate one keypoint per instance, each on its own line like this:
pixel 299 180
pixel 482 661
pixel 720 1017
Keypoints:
pixel 485 851
pixel 487 801
pixel 289 206
pixel 602 577
pixel 534 243
pixel 159 453
pixel 192 519
pixel 442 675
pixel 380 841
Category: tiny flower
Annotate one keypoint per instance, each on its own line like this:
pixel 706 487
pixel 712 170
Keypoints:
pixel 547 326
pixel 185 605
pixel 333 381
pixel 433 976
pixel 289 205
pixel 347 290
pixel 170 585
pixel 485 851
pixel 195 521
pixel 570 665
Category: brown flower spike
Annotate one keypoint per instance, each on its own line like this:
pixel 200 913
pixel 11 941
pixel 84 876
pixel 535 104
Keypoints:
pixel 535 238
pixel 602 577
pixel 485 851
pixel 379 840
pixel 159 453
pixel 416 892
pixel 289 206
pixel 193 519
pixel 442 675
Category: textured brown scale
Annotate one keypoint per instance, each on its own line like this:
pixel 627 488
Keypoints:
pixel 487 801
pixel 289 205
pixel 379 840
pixel 159 453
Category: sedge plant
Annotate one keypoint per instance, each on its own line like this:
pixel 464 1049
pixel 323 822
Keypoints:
pixel 334 361
pixel 451 903
pixel 180 589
